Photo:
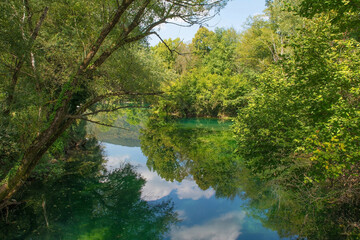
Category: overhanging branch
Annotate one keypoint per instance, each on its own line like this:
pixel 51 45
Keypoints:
pixel 97 99
pixel 111 110
pixel 167 46
pixel 96 122
pixel 104 33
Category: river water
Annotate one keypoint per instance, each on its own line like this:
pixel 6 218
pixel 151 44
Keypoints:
pixel 181 180
pixel 202 214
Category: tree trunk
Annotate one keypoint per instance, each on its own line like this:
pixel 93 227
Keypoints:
pixel 33 155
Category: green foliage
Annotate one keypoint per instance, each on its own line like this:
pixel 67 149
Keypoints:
pixel 9 148
pixel 295 99
pixel 259 45
pixel 201 149
pixel 300 127
pixel 210 87
pixel 215 51
pixel 345 13
pixel 203 94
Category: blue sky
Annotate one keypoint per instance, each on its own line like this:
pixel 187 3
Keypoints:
pixel 233 15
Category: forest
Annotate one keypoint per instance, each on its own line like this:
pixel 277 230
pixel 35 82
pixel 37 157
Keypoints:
pixel 289 82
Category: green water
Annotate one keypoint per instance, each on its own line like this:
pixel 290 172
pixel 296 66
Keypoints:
pixel 178 180
pixel 207 124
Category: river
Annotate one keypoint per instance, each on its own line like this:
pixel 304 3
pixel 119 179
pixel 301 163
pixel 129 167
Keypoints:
pixel 202 214
pixel 180 180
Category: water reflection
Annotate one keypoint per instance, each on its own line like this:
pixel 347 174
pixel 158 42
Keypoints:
pixel 228 226
pixel 190 150
pixel 198 210
pixel 186 171
pixel 155 187
pixel 177 151
pixel 87 202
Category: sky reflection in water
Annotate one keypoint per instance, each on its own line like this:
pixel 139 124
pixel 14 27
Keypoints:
pixel 203 215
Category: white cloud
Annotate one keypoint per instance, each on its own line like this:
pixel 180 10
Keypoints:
pixel 181 215
pixel 156 187
pixel 113 163
pixel 189 189
pixel 225 227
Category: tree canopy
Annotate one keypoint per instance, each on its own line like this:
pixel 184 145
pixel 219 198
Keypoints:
pixel 291 80
pixel 60 59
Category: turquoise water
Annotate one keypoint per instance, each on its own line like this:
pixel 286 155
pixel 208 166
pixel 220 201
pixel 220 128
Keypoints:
pixel 202 214
pixel 211 211
pixel 180 180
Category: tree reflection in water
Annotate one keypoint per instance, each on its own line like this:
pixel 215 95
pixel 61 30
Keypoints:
pixel 206 152
pixel 86 202
pixel 202 152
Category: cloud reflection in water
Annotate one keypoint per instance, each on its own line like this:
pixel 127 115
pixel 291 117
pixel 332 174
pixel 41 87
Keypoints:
pixel 227 226
pixel 156 187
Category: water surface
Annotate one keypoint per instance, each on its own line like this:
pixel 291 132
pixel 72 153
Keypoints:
pixel 215 210
pixel 163 180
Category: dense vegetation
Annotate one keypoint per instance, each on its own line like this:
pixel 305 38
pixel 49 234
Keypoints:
pixel 65 61
pixel 292 81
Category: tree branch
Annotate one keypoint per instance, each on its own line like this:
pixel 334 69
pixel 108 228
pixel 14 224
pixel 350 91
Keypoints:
pixel 111 110
pixel 96 122
pixel 27 7
pixel 167 46
pixel 97 99
pixel 120 42
pixel 104 33
pixel 39 24
pixel 20 62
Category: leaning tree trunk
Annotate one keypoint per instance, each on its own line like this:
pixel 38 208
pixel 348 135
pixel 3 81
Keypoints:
pixel 135 15
pixel 32 156
pixel 62 120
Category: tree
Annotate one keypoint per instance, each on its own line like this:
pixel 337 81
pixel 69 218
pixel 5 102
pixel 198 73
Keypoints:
pixel 210 86
pixel 175 54
pixel 259 45
pixel 215 50
pixel 300 126
pixel 58 60
pixel 345 14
